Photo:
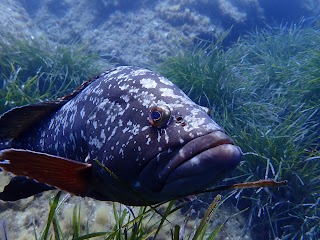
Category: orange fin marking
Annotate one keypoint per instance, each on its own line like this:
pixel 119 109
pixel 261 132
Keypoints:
pixel 68 175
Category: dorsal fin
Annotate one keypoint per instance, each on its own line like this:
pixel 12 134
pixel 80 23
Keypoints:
pixel 17 120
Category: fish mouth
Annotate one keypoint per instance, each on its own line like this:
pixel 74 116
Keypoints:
pixel 214 152
pixel 197 165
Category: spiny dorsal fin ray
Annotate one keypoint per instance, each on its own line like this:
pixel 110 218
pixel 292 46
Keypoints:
pixel 65 174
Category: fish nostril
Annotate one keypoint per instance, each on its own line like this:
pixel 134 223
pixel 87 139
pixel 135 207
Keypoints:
pixel 183 124
pixel 179 119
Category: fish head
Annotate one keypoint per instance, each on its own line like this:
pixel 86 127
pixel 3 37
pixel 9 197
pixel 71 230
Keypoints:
pixel 158 144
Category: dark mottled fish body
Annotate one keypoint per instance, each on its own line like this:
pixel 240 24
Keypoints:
pixel 109 121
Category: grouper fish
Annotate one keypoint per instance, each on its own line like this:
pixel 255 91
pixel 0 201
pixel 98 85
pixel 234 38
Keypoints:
pixel 128 135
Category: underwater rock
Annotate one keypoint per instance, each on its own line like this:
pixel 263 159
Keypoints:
pixel 140 32
pixel 15 19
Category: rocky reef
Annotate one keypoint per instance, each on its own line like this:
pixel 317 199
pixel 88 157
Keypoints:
pixel 140 32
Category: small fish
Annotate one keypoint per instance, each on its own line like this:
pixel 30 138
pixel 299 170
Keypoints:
pixel 128 135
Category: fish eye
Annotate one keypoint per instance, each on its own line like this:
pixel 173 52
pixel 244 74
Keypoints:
pixel 159 116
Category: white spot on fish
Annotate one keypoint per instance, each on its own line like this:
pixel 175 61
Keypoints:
pixel 144 128
pixel 124 86
pixel 82 113
pixel 113 133
pixel 148 83
pixel 166 136
pixel 95 124
pixel 168 92
pixel 148 140
pixel 135 129
pixel 82 134
pixel 103 135
pixel 121 152
pixel 87 158
pixel 133 90
pixel 182 153
pixel 95 142
pixel 194 161
pixel 125 98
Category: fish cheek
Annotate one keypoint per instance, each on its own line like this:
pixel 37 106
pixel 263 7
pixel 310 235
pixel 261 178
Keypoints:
pixel 104 186
pixel 108 187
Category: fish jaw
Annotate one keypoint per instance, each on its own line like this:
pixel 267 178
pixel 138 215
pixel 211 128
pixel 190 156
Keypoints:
pixel 197 165
pixel 203 170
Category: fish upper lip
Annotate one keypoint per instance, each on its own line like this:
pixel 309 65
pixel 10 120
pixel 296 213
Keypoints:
pixel 197 146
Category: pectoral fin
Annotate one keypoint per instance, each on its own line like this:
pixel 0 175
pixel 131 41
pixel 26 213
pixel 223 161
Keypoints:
pixel 65 174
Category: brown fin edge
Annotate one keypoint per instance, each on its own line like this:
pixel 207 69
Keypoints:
pixel 65 174
pixel 20 119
